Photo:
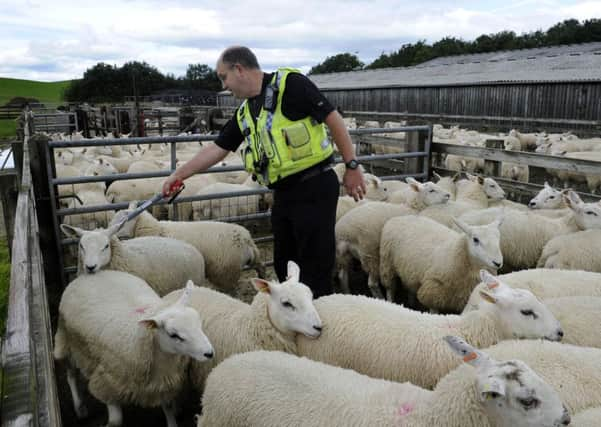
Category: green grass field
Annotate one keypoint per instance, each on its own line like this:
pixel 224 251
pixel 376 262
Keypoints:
pixel 4 282
pixel 42 91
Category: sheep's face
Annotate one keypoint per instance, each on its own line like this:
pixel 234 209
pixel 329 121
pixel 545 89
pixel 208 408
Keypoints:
pixel 432 194
pixel 512 144
pixel 520 312
pixel 376 190
pixel 514 395
pixel 547 198
pixel 586 215
pixel 94 251
pixel 290 305
pixel 483 243
pixel 492 189
pixel 178 330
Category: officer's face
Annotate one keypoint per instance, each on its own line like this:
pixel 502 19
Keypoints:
pixel 231 79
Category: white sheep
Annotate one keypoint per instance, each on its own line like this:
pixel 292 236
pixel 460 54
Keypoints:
pixel 89 220
pixel 575 251
pixel 546 283
pixel 278 313
pixel 549 202
pixel 438 264
pixel 287 390
pixel 130 346
pixel 226 248
pixel 420 195
pixel 224 207
pixel 575 372
pixel 347 203
pixel 527 140
pixel 358 237
pixel 363 333
pixel 165 263
pixel 523 234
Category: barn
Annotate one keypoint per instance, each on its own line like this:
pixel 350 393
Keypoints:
pixel 551 87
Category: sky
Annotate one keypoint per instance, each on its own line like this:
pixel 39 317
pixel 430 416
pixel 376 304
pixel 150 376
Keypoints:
pixel 58 40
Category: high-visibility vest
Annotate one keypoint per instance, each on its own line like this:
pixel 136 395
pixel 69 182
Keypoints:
pixel 275 147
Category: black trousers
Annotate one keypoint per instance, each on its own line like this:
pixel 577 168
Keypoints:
pixel 303 218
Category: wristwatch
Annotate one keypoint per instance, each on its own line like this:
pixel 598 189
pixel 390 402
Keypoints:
pixel 352 164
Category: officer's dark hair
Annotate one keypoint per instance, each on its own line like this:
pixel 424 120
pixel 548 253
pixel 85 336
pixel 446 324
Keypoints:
pixel 240 55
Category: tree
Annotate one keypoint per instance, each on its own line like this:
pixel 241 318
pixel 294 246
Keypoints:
pixel 338 63
pixel 201 76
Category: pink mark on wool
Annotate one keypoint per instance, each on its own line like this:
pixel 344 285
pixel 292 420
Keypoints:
pixel 405 409
pixel 140 310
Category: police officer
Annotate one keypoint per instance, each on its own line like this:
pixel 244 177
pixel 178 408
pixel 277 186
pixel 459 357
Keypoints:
pixel 280 128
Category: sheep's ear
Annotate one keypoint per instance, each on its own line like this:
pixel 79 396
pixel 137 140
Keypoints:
pixel 480 180
pixel 547 185
pixel 488 297
pixel 572 199
pixel 293 271
pixel 462 226
pixel 469 354
pixel 185 296
pixel 463 164
pixel 491 281
pixel 112 229
pixel 456 177
pixel 413 184
pixel 437 176
pixel 71 231
pixel 261 285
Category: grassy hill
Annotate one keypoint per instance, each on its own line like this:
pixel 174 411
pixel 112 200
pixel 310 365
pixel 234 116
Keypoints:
pixel 43 91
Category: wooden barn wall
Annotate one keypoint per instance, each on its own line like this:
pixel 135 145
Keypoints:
pixel 578 101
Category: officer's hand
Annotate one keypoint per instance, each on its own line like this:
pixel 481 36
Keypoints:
pixel 354 183
pixel 171 185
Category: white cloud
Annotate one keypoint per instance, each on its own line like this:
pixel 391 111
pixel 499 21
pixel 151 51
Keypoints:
pixel 60 39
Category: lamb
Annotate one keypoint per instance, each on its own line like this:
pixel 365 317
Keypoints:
pixel 443 265
pixel 575 313
pixel 549 202
pixel 226 248
pixel 226 207
pixel 278 313
pixel 575 251
pixel 358 233
pixel 286 390
pixel 575 372
pixel 593 181
pixel 130 346
pixel 346 204
pixel 523 234
pixel 546 283
pixel 350 320
pixel 527 140
pixel 165 263
pixel 418 196
pixel 89 220
pixel 473 193
pixel 358 236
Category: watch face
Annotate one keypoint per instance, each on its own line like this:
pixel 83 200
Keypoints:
pixel 352 164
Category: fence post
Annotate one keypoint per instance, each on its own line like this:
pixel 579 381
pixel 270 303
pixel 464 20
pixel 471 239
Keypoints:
pixel 9 193
pixel 48 227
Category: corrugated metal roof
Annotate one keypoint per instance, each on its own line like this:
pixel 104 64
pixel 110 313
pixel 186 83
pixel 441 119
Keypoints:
pixel 552 64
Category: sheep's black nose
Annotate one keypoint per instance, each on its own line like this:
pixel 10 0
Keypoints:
pixel 560 333
pixel 497 264
pixel 317 328
pixel 91 268
pixel 208 354
pixel 531 204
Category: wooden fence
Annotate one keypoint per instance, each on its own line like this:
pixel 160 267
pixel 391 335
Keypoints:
pixel 29 395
